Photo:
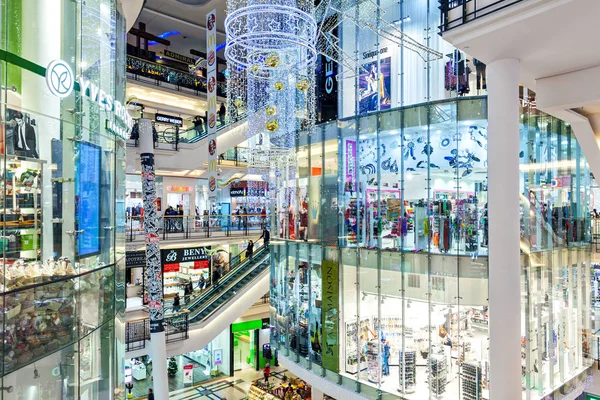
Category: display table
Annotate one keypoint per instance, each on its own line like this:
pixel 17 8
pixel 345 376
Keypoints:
pixel 139 372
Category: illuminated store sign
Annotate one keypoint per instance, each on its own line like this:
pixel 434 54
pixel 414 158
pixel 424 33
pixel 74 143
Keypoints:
pixel 60 82
pixel 179 57
pixel 184 189
pixel 168 119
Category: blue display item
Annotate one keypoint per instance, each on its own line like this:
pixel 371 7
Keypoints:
pixel 87 199
pixel 226 215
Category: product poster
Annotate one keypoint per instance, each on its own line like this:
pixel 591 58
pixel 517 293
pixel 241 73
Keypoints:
pixel 88 199
pixel 188 374
pixel 394 208
pixel 21 135
pixel 330 315
pixel 375 86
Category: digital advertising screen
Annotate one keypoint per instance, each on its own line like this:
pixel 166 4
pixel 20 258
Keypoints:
pixel 88 199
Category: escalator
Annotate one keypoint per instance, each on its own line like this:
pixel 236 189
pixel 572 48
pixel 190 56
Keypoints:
pixel 241 273
pixel 210 312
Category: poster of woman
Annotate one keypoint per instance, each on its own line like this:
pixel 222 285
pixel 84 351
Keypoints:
pixel 375 86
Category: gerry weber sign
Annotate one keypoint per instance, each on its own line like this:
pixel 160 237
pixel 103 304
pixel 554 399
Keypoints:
pixel 60 81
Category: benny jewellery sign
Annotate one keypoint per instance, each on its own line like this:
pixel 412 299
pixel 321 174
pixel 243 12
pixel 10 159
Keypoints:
pixel 61 81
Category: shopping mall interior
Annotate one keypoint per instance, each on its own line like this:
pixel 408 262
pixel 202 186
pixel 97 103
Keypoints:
pixel 330 199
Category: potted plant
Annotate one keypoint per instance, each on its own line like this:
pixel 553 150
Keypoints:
pixel 172 368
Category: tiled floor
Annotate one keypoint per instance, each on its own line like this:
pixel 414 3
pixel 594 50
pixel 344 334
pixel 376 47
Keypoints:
pixel 230 388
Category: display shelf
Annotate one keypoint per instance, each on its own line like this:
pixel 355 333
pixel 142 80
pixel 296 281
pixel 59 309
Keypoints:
pixel 470 373
pixel 438 374
pixel 373 363
pixel 408 371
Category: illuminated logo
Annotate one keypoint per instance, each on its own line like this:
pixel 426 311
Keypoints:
pixel 212 183
pixel 212 147
pixel 212 83
pixel 172 256
pixel 211 58
pixel 212 120
pixel 210 21
pixel 59 78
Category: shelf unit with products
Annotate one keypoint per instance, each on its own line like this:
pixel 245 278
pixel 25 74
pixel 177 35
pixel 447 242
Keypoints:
pixel 470 373
pixel 438 374
pixel 171 284
pixel 408 371
pixel 20 208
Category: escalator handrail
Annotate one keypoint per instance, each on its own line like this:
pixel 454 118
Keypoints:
pixel 259 259
pixel 201 136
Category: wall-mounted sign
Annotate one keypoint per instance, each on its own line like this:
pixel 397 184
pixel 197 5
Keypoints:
pixel 241 192
pixel 179 57
pixel 135 258
pixel 176 256
pixel 561 181
pixel 60 82
pixel 168 119
pixel 373 53
pixel 183 189
pixel 128 375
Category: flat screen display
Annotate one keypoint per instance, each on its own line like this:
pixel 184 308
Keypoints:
pixel 88 199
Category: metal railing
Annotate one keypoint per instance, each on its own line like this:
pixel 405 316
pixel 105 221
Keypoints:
pixel 173 136
pixel 455 13
pixel 160 75
pixel 137 332
pixel 198 226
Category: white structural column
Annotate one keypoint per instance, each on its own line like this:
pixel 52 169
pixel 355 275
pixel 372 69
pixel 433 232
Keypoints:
pixel 316 394
pixel 504 234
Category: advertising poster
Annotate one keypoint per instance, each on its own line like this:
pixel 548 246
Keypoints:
pixel 211 79
pixel 350 170
pixel 188 374
pixel 218 356
pixel 88 199
pixel 375 86
pixel 330 315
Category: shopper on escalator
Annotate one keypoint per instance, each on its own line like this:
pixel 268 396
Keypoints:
pixel 266 236
pixel 250 249
pixel 201 282
pixel 176 303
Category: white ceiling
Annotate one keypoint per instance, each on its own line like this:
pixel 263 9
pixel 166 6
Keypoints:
pixel 549 37
pixel 170 15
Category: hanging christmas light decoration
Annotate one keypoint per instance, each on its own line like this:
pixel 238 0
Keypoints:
pixel 271 54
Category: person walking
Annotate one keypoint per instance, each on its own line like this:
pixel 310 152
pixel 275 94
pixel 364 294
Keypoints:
pixel 186 293
pixel 266 236
pixel 250 249
pixel 190 287
pixel 222 111
pixel 150 394
pixel 267 372
pixel 176 303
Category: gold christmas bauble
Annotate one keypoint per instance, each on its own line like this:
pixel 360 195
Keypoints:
pixel 270 110
pixel 255 68
pixel 278 85
pixel 238 102
pixel 273 60
pixel 272 125
pixel 302 85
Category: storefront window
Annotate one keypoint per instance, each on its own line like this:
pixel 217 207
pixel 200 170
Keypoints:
pixel 61 180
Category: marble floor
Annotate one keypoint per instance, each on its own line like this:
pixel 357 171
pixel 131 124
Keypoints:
pixel 229 388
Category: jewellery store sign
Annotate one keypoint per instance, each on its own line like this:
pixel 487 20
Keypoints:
pixel 61 82
pixel 172 259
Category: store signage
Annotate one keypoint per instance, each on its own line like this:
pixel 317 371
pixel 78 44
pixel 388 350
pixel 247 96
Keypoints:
pixel 373 53
pixel 60 82
pixel 179 57
pixel 330 314
pixel 188 374
pixel 168 119
pixel 176 256
pixel 116 130
pixel 350 161
pixel 237 192
pixel 135 258
pixel 327 73
pixel 184 189
pixel 561 181
pixel 171 267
